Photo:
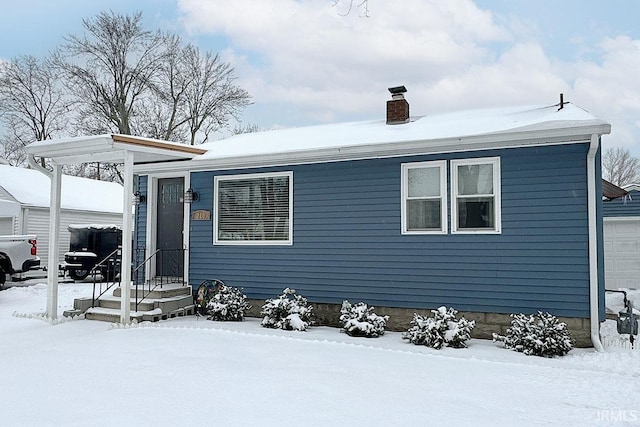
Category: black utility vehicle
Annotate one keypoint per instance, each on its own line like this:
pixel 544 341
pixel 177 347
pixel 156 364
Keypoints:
pixel 93 247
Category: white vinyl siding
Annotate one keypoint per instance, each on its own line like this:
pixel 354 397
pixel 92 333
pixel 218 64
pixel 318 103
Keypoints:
pixel 254 209
pixel 475 196
pixel 424 206
pixel 38 224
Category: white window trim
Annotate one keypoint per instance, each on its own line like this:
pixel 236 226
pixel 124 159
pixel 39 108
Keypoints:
pixel 219 178
pixel 497 193
pixel 442 165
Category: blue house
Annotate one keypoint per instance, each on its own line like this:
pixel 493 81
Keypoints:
pixel 491 212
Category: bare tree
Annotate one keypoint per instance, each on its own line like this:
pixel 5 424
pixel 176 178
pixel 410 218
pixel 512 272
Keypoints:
pixel 133 81
pixel 619 167
pixel 120 78
pixel 33 105
pixel 165 116
pixel 110 68
pixel 212 97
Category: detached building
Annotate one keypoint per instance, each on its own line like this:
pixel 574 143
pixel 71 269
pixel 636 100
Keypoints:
pixel 24 205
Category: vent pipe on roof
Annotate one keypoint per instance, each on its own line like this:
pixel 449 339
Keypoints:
pixel 397 107
pixel 561 102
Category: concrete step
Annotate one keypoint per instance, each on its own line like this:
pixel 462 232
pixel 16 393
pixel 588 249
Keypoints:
pixel 113 315
pixel 167 291
pixel 115 302
pixel 109 315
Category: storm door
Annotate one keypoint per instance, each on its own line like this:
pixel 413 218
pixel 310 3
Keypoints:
pixel 170 222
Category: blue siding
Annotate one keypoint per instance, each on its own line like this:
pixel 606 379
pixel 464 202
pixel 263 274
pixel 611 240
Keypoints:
pixel 629 206
pixel 140 222
pixel 348 245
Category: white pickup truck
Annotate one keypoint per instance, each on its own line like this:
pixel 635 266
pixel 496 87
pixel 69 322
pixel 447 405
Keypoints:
pixel 17 255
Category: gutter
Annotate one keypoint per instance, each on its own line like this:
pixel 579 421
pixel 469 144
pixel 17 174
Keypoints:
pixel 593 243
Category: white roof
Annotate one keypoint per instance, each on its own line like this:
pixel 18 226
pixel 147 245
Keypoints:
pixel 30 187
pixel 451 132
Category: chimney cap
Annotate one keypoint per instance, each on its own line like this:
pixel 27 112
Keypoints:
pixel 397 90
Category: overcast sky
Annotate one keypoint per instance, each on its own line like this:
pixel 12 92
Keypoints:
pixel 305 63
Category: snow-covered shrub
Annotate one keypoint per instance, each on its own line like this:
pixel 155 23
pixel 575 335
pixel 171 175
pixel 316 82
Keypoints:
pixel 227 303
pixel 360 321
pixel 441 329
pixel 537 334
pixel 288 311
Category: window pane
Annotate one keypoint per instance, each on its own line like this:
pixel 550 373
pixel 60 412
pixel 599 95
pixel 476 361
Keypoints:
pixel 253 209
pixel 475 179
pixel 423 215
pixel 476 212
pixel 424 182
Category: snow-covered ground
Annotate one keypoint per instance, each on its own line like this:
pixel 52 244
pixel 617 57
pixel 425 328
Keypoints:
pixel 193 371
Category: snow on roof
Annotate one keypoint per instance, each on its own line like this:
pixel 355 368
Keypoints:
pixel 112 227
pixel 30 187
pixel 371 133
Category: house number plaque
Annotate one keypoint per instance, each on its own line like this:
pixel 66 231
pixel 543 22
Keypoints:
pixel 201 215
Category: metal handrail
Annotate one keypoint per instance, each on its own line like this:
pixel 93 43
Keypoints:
pixel 135 272
pixel 94 270
pixel 157 283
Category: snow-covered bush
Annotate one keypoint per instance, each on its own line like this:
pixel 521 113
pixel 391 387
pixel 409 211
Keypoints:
pixel 360 321
pixel 227 303
pixel 537 334
pixel 288 311
pixel 441 329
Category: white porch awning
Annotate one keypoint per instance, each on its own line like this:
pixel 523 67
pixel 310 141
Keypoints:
pixel 115 148
pixel 110 148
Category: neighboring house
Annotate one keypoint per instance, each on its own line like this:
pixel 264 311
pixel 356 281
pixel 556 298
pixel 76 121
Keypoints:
pixel 491 212
pixel 24 205
pixel 622 238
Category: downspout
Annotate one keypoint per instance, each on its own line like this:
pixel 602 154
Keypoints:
pixel 593 242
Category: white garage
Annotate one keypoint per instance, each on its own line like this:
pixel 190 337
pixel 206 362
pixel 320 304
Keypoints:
pixel 622 240
pixel 622 252
pixel 24 205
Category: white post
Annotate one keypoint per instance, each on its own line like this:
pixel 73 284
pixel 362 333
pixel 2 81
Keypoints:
pixel 125 270
pixel 54 237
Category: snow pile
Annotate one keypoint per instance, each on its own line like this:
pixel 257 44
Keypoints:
pixel 289 311
pixel 541 334
pixel 441 329
pixel 360 321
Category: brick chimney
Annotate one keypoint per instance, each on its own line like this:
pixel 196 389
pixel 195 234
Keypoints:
pixel 397 107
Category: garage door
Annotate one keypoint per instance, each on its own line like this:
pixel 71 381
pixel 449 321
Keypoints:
pixel 622 253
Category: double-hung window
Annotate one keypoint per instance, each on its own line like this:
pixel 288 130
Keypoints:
pixel 424 190
pixel 475 195
pixel 254 209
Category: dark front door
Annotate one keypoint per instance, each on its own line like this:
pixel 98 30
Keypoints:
pixel 170 259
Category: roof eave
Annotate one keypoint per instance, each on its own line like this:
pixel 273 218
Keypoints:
pixel 507 139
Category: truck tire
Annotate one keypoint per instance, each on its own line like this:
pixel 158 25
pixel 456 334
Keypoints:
pixel 3 278
pixel 78 274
